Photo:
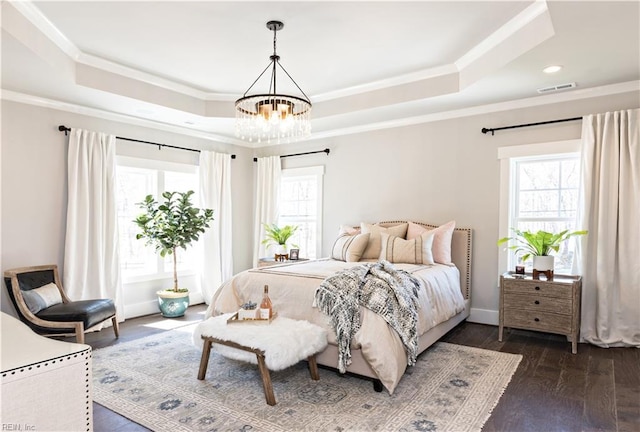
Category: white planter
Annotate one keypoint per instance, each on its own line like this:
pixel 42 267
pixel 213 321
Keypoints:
pixel 281 249
pixel 543 263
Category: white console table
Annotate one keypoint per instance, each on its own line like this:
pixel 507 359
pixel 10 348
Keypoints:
pixel 46 384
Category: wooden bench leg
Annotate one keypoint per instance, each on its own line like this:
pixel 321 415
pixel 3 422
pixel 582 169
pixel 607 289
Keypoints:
pixel 266 380
pixel 313 368
pixel 204 360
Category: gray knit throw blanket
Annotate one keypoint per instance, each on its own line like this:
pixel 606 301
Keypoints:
pixel 380 287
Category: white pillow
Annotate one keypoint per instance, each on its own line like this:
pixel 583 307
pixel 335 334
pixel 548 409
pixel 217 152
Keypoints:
pixel 349 248
pixel 415 251
pixel 41 298
pixel 373 248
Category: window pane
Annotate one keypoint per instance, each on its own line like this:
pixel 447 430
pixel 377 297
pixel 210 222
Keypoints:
pixel 547 190
pixel 133 185
pixel 299 206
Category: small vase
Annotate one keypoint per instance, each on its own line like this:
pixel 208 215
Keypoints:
pixel 543 262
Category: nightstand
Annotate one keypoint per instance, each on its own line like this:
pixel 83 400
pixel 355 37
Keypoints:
pixel 267 262
pixel 549 306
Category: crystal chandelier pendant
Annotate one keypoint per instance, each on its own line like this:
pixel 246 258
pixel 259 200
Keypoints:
pixel 271 117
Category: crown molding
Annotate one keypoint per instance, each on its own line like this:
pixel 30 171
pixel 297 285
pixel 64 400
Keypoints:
pixel 607 90
pixel 121 118
pixel 626 87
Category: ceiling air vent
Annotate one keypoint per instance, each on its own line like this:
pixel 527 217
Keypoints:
pixel 556 88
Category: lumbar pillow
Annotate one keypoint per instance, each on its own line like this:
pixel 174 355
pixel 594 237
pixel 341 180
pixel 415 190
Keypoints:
pixel 415 251
pixel 441 242
pixel 349 248
pixel 41 298
pixel 373 248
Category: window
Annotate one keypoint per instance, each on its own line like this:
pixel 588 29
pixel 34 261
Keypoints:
pixel 543 184
pixel 301 205
pixel 137 178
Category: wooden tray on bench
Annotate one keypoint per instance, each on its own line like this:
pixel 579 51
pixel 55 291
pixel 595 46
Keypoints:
pixel 234 320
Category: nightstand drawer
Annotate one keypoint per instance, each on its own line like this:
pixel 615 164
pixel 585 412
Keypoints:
pixel 536 320
pixel 548 289
pixel 538 303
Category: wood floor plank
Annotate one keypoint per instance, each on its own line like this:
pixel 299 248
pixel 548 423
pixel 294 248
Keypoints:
pixel 600 402
pixel 627 382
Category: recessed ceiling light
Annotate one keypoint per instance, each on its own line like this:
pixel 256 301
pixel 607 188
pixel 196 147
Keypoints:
pixel 551 69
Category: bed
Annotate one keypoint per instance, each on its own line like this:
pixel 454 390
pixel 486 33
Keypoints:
pixel 376 350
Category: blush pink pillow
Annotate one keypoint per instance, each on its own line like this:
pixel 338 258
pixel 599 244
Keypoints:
pixel 441 241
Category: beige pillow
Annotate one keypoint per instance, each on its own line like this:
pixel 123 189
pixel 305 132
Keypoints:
pixel 349 248
pixel 415 251
pixel 441 242
pixel 373 248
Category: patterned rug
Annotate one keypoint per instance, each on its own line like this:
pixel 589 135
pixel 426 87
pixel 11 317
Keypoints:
pixel 152 381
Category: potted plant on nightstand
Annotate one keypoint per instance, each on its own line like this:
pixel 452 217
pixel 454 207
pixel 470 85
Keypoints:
pixel 169 225
pixel 279 237
pixel 539 245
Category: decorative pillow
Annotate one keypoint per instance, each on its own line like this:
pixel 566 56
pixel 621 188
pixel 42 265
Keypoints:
pixel 415 251
pixel 41 298
pixel 441 241
pixel 373 248
pixel 349 248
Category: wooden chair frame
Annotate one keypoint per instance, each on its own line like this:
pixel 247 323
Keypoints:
pixel 24 309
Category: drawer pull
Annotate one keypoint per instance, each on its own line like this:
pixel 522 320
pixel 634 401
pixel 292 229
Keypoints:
pixel 537 288
pixel 537 302
pixel 536 319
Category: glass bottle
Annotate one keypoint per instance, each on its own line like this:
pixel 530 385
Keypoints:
pixel 266 309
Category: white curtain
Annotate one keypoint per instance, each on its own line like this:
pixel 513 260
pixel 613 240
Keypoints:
pixel 215 193
pixel 91 258
pixel 267 199
pixel 609 256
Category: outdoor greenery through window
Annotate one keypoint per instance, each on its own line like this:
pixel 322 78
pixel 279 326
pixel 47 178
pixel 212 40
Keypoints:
pixel 137 178
pixel 301 205
pixel 545 197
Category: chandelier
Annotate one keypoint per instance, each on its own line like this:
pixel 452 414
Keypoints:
pixel 272 116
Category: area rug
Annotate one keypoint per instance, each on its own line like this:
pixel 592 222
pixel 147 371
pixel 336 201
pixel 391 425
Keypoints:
pixel 152 381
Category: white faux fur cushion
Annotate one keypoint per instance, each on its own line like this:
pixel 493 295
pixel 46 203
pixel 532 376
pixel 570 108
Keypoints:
pixel 285 341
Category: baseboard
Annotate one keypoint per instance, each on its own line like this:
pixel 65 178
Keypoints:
pixel 151 307
pixel 484 316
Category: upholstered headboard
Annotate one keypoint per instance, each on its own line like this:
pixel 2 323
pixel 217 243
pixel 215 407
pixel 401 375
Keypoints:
pixel 460 253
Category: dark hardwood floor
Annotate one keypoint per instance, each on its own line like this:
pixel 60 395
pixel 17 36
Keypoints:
pixel 552 390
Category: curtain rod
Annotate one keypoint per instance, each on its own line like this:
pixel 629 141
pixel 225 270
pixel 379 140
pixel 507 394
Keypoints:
pixel 492 130
pixel 255 159
pixel 65 129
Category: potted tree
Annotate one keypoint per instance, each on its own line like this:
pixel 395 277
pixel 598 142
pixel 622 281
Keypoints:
pixel 539 245
pixel 168 225
pixel 278 237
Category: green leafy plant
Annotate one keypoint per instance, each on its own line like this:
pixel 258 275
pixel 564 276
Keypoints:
pixel 538 243
pixel 278 236
pixel 171 224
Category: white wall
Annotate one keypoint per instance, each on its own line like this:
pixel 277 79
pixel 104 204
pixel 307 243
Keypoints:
pixel 433 172
pixel 34 185
pixel 436 172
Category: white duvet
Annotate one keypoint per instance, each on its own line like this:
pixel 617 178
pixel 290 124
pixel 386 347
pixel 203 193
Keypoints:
pixel 292 290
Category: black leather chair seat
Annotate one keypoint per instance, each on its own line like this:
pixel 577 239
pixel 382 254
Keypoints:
pixel 90 312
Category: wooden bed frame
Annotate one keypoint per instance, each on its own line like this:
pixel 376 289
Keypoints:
pixel 461 257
